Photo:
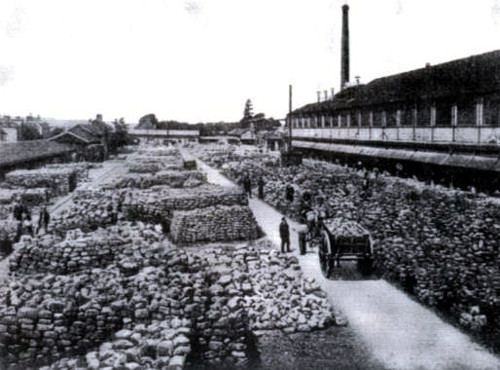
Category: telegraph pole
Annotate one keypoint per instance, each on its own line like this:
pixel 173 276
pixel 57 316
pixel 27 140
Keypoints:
pixel 290 118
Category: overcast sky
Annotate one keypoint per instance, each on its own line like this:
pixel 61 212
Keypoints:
pixel 199 60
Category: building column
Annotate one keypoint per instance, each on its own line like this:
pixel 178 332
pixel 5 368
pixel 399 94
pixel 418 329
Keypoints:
pixel 454 121
pixel 433 120
pixel 415 121
pixel 384 119
pixel 322 121
pixel 480 112
pixel 433 115
pixel 360 119
pixel 370 124
pixel 479 117
pixel 454 115
pixel 348 120
pixel 339 120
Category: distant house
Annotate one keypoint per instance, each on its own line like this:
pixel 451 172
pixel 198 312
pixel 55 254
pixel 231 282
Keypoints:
pixel 248 137
pixel 181 136
pixel 8 134
pixel 9 130
pixel 274 140
pixel 89 140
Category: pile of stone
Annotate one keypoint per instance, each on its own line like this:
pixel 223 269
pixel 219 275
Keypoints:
pixel 7 195
pixel 30 197
pixel 80 168
pixel 174 179
pixel 92 208
pixel 152 164
pixel 440 244
pixel 161 151
pixel 157 203
pixel 46 315
pixel 206 305
pixel 129 246
pixel 56 180
pixel 135 349
pixel 8 229
pixel 5 211
pixel 214 224
pixel 230 156
pixel 252 289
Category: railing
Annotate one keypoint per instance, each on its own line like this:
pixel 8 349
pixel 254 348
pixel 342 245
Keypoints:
pixel 433 134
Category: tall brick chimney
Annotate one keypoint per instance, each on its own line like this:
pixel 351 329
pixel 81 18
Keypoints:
pixel 344 62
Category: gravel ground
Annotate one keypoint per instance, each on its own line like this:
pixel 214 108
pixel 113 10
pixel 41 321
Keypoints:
pixel 399 332
pixel 333 348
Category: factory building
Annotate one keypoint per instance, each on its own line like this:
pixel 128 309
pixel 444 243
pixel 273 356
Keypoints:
pixel 438 119
pixel 458 101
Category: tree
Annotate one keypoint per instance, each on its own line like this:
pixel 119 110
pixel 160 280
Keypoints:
pixel 148 122
pixel 247 114
pixel 29 131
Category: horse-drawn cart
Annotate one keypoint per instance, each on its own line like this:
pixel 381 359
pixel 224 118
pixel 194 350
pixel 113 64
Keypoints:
pixel 343 240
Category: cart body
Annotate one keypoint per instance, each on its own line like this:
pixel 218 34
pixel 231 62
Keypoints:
pixel 344 240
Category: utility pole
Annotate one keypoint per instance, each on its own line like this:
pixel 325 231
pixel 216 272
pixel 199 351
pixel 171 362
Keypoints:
pixel 289 117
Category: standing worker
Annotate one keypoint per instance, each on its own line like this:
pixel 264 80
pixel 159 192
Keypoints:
pixel 284 235
pixel 247 185
pixel 44 219
pixel 260 185
pixel 289 193
pixel 18 209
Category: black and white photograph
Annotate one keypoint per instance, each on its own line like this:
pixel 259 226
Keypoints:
pixel 250 184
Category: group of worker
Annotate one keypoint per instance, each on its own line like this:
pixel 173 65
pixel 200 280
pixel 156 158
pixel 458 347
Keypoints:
pixel 311 216
pixel 22 213
pixel 247 185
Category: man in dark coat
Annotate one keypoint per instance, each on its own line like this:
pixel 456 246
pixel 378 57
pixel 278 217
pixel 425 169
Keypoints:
pixel 260 185
pixel 18 210
pixel 247 185
pixel 44 219
pixel 284 235
pixel 289 193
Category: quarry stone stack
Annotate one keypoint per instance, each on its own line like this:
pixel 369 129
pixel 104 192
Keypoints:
pixel 212 224
pixel 57 180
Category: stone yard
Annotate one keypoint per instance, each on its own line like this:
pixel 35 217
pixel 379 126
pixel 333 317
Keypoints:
pixel 108 288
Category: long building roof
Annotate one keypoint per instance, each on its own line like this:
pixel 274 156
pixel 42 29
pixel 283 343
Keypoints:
pixel 26 151
pixel 456 80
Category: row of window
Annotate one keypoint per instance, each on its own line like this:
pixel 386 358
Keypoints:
pixel 463 115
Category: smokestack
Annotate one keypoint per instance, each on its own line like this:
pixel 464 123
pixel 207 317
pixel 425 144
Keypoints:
pixel 319 95
pixel 325 94
pixel 333 92
pixel 344 62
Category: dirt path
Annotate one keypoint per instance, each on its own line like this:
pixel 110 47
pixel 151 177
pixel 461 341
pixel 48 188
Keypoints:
pixel 399 332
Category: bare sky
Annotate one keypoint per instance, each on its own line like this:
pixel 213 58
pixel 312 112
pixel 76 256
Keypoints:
pixel 199 60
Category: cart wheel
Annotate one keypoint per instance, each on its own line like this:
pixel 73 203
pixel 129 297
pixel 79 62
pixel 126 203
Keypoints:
pixel 365 266
pixel 325 255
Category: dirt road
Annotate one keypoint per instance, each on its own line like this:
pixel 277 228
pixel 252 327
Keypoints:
pixel 401 333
